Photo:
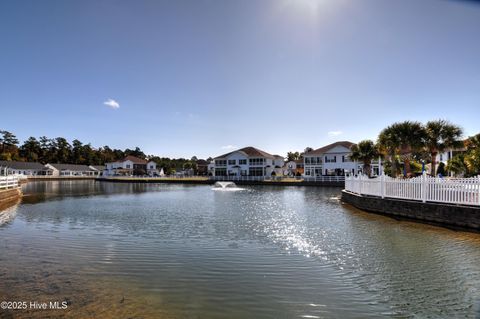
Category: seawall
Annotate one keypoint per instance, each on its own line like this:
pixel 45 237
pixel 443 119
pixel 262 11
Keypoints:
pixel 9 197
pixel 441 214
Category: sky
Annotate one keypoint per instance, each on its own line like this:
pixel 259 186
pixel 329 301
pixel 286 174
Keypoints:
pixel 202 77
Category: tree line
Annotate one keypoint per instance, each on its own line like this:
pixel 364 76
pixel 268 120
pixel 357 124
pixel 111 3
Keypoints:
pixel 58 150
pixel 407 146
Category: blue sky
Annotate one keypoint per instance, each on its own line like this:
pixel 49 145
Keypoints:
pixel 199 77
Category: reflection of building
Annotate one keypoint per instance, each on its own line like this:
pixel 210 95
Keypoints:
pixel 21 168
pixel 248 161
pixel 131 165
pixel 69 170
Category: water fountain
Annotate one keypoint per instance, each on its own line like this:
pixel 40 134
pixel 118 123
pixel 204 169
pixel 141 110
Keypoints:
pixel 226 186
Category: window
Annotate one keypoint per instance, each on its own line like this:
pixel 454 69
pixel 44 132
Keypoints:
pixel 255 171
pixel 128 165
pixel 256 161
pixel 307 160
pixel 220 172
pixel 220 162
pixel 242 162
pixel 232 162
pixel 330 159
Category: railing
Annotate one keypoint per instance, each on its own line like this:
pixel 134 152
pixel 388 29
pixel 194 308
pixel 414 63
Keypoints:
pixel 423 188
pixel 8 182
pixel 338 179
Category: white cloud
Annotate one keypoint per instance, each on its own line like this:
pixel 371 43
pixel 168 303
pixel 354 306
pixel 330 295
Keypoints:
pixel 334 133
pixel 228 147
pixel 112 104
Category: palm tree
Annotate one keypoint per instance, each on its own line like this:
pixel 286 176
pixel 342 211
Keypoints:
pixel 472 157
pixel 411 137
pixel 457 165
pixel 365 151
pixel 441 135
pixel 388 144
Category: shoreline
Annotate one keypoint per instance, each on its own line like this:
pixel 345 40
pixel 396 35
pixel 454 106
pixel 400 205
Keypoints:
pixel 207 181
pixel 59 178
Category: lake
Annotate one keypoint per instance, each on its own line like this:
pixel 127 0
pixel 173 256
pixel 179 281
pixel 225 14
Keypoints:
pixel 184 251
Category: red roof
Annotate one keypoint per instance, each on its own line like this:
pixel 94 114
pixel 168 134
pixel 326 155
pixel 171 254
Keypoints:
pixel 134 159
pixel 250 151
pixel 322 150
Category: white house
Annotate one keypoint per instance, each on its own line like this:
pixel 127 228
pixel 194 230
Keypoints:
pixel 293 168
pixel 130 166
pixel 334 159
pixel 21 168
pixel 447 155
pixel 248 161
pixel 211 168
pixel 69 170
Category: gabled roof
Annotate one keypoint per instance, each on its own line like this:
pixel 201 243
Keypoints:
pixel 133 159
pixel 322 150
pixel 22 165
pixel 98 167
pixel 250 151
pixel 71 167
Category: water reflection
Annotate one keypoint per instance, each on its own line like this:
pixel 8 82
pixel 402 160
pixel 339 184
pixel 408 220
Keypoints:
pixel 8 214
pixel 265 252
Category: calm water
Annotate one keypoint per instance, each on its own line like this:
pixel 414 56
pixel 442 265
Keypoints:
pixel 173 251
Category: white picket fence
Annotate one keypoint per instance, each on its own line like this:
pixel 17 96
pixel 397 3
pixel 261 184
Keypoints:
pixel 423 188
pixel 8 182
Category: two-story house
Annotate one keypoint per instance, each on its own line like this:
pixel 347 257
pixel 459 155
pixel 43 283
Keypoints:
pixel 248 161
pixel 334 159
pixel 130 166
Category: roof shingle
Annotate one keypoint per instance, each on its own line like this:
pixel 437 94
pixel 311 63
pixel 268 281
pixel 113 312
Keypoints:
pixel 71 167
pixel 22 165
pixel 322 150
pixel 250 151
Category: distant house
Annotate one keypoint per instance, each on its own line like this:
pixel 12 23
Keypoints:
pixel 21 168
pixel 69 170
pixel 447 155
pixel 248 161
pixel 130 166
pixel 98 168
pixel 293 168
pixel 334 159
pixel 202 167
pixel 211 168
